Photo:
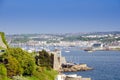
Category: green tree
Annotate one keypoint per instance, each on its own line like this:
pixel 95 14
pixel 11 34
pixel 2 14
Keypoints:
pixel 44 59
pixel 21 58
pixel 3 72
pixel 13 66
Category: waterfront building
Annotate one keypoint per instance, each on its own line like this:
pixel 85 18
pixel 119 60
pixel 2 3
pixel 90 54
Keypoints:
pixel 97 45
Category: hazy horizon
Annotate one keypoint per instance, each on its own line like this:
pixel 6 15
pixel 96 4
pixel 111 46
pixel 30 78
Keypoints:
pixel 61 16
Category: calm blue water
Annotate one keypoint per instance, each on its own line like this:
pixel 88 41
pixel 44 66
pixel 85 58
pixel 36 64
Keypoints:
pixel 106 64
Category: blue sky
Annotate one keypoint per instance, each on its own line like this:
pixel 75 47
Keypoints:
pixel 59 16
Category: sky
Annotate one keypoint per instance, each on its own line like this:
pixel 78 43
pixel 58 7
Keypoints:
pixel 59 16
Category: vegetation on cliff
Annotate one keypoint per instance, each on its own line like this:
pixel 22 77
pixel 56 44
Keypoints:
pixel 44 59
pixel 17 64
pixel 3 72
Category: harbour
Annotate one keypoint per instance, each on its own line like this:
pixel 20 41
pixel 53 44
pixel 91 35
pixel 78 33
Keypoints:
pixel 105 63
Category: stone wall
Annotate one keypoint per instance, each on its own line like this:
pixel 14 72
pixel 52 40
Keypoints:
pixel 56 62
pixel 57 59
pixel 63 60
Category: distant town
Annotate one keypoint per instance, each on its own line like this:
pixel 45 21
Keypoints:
pixel 88 41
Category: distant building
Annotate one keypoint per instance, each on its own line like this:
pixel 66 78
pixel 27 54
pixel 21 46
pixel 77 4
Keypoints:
pixel 96 45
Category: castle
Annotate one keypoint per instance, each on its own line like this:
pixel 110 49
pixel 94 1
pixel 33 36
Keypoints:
pixel 58 59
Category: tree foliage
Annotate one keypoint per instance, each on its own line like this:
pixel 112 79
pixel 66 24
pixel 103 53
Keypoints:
pixel 3 72
pixel 20 60
pixel 13 66
pixel 44 59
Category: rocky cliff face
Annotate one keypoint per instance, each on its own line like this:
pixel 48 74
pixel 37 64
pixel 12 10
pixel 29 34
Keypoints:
pixel 2 44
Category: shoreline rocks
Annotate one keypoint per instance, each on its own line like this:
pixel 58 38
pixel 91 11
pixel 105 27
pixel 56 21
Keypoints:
pixel 74 68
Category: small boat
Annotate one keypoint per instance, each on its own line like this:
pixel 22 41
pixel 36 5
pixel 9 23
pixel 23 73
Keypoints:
pixel 67 51
pixel 90 51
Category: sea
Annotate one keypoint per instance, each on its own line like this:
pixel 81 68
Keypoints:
pixel 105 64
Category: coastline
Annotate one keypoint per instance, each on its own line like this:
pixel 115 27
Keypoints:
pixel 74 68
pixel 101 49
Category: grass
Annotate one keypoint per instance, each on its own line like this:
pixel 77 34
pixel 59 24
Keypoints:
pixel 45 75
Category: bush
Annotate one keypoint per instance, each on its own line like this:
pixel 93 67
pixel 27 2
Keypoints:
pixel 3 72
pixel 43 74
pixel 24 59
pixel 13 66
pixel 44 59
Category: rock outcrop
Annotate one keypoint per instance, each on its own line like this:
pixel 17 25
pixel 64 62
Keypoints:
pixel 78 67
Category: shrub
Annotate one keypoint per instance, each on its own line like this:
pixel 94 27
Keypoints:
pixel 13 66
pixel 24 59
pixel 3 72
pixel 44 59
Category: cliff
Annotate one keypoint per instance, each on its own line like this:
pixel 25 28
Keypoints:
pixel 3 43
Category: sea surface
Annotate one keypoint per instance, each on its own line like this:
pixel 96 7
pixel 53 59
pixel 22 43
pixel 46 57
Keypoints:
pixel 105 64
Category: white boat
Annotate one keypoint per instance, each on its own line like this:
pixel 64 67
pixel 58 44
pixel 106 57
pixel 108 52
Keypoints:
pixel 67 51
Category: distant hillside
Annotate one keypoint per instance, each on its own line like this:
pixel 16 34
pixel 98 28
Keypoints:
pixel 3 43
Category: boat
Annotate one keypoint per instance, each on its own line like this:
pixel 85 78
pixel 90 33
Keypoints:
pixel 67 51
pixel 90 51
